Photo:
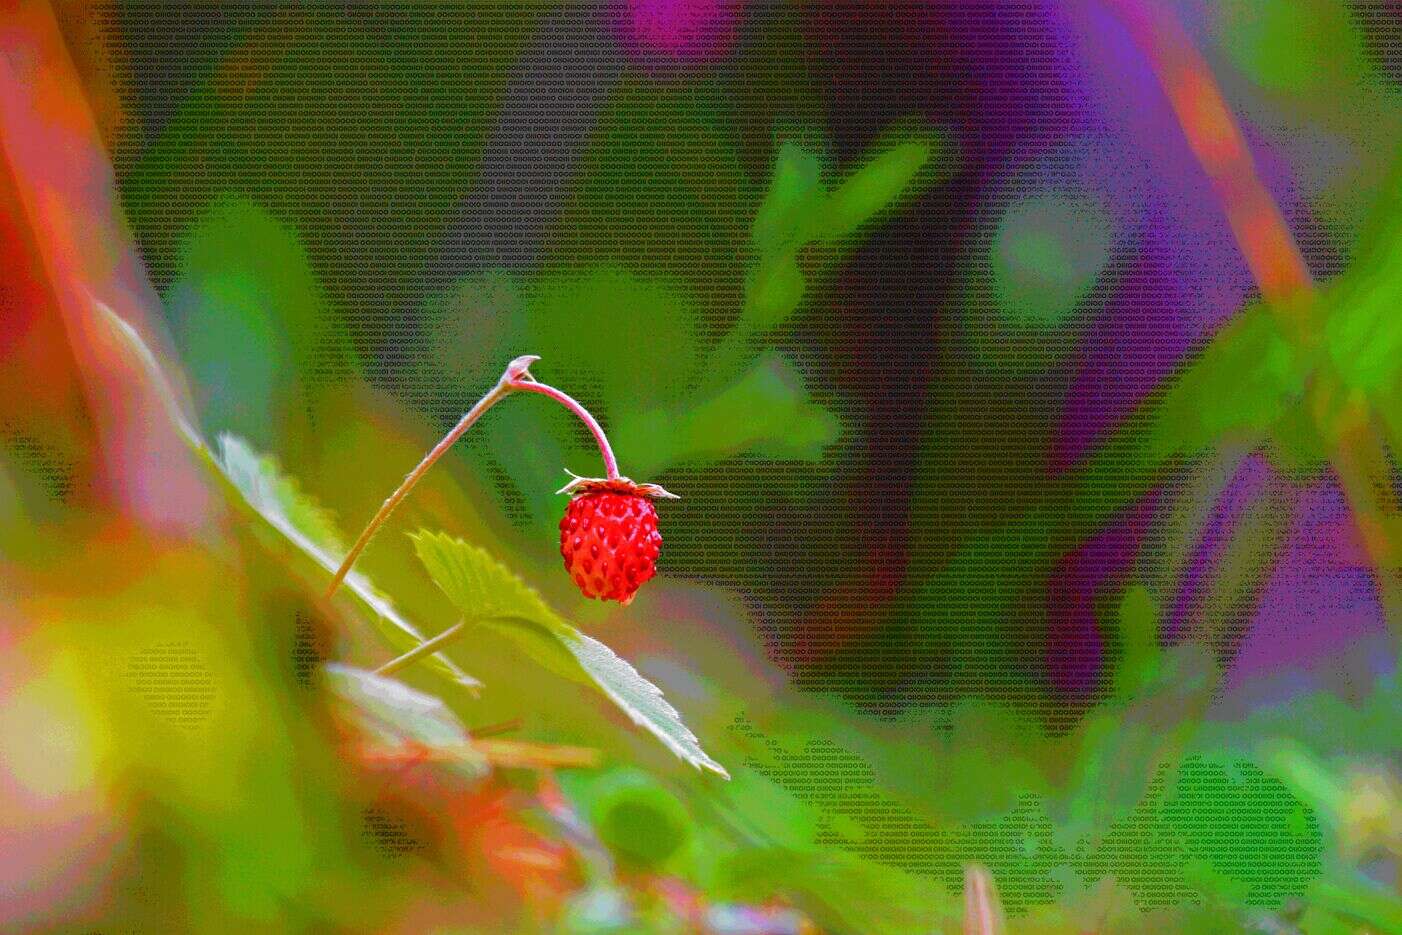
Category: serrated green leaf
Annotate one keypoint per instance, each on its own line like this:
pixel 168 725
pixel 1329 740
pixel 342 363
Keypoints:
pixel 278 500
pixel 871 188
pixel 278 496
pixel 264 491
pixel 395 715
pixel 486 591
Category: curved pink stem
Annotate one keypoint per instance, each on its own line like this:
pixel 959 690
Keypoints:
pixel 515 377
pixel 570 403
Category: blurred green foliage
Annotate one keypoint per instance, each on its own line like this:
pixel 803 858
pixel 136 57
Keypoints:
pixel 678 320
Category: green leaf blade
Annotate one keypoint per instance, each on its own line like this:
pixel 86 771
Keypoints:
pixel 487 591
pixel 302 521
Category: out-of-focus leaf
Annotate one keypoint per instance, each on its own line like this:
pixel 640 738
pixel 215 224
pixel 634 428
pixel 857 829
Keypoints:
pixel 1124 749
pixel 794 193
pixel 768 406
pixel 1362 330
pixel 631 336
pixel 1240 384
pixel 773 291
pixel 872 187
pixel 639 198
pixel 1137 619
pixel 1235 391
pixel 486 591
pixel 263 490
pixel 1304 48
pixel 643 823
pixel 396 716
pixel 253 324
pixel 796 212
pixel 1245 827
pixel 842 892
pixel 766 413
pixel 1306 777
pixel 812 429
pixel 1359 900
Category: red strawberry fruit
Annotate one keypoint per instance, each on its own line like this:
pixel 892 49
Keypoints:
pixel 609 538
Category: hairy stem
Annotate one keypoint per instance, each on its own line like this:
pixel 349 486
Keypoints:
pixel 516 377
pixel 426 648
pixel 493 396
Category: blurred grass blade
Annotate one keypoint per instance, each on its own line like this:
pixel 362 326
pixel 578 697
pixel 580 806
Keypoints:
pixel 266 492
pixel 155 376
pixel 395 717
pixel 1235 391
pixel 486 591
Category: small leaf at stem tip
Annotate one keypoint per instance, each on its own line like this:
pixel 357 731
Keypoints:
pixel 872 188
pixel 518 368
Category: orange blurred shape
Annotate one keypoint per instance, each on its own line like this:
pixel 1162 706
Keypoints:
pixel 67 236
pixel 543 873
pixel 983 910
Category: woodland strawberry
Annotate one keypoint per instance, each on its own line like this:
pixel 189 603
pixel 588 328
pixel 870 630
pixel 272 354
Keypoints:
pixel 609 538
